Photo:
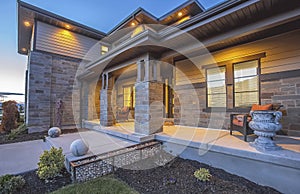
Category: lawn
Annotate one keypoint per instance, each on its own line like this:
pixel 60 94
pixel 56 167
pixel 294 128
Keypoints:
pixel 100 185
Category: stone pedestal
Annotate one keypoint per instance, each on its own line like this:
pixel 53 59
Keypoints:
pixel 149 107
pixel 106 110
pixel 265 125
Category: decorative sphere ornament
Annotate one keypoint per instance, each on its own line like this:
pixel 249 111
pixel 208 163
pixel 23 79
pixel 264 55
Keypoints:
pixel 54 132
pixel 79 147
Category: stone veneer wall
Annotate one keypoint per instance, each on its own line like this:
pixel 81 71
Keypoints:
pixel 51 77
pixel 284 91
pixel 189 110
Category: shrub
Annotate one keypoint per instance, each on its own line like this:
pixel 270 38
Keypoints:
pixel 15 132
pixel 202 174
pixel 51 163
pixel 10 115
pixel 10 184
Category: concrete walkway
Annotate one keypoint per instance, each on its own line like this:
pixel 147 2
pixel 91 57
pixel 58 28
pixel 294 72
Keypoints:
pixel 20 157
pixel 98 143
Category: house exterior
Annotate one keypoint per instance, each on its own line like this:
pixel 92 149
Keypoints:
pixel 192 66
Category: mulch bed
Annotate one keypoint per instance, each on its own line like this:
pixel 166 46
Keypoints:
pixel 174 177
pixel 30 136
pixel 35 185
pixel 178 177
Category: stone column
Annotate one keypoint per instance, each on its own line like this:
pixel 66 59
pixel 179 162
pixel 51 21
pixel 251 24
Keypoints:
pixel 106 108
pixel 149 104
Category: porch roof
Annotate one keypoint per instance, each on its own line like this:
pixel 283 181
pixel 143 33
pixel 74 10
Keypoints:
pixel 231 23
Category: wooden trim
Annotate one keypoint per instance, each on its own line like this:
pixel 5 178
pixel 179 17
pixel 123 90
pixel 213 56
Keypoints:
pixel 35 34
pixel 258 74
pixel 58 55
pixel 279 75
pixel 190 86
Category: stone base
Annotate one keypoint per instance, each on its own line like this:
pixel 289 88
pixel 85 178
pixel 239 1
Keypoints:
pixel 149 108
pixel 35 129
pixel 264 144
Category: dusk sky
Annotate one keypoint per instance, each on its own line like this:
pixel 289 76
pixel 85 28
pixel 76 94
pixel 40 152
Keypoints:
pixel 99 14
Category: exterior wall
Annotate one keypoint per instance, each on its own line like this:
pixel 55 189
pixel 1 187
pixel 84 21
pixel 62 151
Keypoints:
pixel 51 77
pixel 63 42
pixel 282 55
pixel 91 99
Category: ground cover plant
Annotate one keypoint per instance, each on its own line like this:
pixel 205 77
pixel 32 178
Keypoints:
pixel 10 184
pixel 105 185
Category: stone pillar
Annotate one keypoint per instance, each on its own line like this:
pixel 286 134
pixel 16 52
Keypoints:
pixel 106 106
pixel 149 100
pixel 148 107
pixel 106 110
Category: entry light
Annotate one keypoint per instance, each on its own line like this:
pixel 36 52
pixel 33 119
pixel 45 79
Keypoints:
pixel 24 49
pixel 27 23
pixel 68 26
pixel 179 14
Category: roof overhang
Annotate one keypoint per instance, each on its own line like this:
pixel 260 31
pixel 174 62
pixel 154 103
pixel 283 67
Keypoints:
pixel 28 14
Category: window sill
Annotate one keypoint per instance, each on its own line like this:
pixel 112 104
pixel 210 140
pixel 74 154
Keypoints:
pixel 224 109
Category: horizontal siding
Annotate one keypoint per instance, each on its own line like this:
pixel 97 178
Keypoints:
pixel 282 52
pixel 186 73
pixel 61 41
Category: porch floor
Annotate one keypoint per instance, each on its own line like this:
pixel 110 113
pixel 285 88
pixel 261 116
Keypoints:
pixel 211 140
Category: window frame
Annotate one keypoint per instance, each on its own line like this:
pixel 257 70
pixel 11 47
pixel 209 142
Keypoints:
pixel 258 80
pixel 209 107
pixel 132 99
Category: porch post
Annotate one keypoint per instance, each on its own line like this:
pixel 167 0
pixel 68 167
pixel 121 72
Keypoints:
pixel 149 103
pixel 139 71
pixel 147 70
pixel 106 110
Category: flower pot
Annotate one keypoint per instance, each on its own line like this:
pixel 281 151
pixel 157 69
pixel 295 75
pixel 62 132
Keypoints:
pixel 265 125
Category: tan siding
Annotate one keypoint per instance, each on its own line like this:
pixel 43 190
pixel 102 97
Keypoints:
pixel 186 73
pixel 61 41
pixel 282 52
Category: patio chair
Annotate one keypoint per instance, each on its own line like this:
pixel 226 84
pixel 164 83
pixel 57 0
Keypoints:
pixel 122 114
pixel 240 122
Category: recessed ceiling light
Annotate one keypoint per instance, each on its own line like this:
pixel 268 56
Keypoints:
pixel 132 24
pixel 68 26
pixel 179 14
pixel 24 49
pixel 27 23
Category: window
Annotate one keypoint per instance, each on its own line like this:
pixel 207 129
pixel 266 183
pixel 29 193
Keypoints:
pixel 104 49
pixel 246 83
pixel 129 96
pixel 216 87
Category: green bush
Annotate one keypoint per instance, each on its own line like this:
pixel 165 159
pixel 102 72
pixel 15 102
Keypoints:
pixel 51 164
pixel 10 184
pixel 202 174
pixel 15 132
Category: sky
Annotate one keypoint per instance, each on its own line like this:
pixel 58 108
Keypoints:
pixel 102 15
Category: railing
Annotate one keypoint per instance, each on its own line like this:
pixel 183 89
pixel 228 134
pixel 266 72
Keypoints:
pixel 103 164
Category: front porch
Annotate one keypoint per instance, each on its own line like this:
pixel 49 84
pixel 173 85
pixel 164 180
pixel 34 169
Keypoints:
pixel 278 169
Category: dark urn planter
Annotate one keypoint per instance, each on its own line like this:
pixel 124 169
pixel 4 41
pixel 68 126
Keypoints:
pixel 265 125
